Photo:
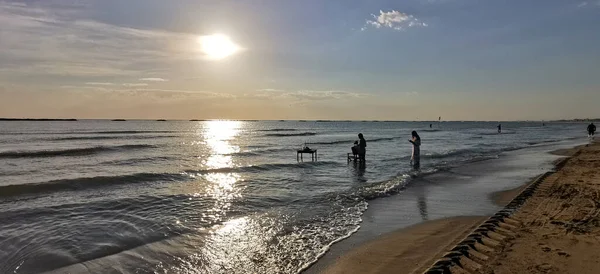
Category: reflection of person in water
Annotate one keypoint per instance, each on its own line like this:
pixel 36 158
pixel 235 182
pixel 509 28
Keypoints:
pixel 422 204
pixel 359 168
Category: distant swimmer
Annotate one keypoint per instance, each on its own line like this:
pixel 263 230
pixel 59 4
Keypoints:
pixel 415 159
pixel 362 147
pixel 430 125
pixel 499 128
pixel 591 130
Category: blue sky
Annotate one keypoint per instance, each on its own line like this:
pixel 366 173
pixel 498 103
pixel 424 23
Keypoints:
pixel 397 60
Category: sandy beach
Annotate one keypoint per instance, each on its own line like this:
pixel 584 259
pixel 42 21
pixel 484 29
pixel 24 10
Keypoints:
pixel 560 223
pixel 559 231
pixel 412 249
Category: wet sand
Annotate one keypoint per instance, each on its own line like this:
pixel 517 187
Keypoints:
pixel 502 198
pixel 560 231
pixel 412 249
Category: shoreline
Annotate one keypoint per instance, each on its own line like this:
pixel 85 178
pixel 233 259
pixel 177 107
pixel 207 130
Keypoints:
pixel 501 198
pixel 390 252
pixel 396 249
pixel 559 225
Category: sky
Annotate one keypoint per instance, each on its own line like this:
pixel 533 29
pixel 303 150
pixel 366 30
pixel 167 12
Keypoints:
pixel 309 59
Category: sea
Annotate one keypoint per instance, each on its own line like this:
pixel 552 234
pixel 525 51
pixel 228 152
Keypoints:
pixel 215 196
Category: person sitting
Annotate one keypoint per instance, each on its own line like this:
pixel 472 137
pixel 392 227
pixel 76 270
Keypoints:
pixel 355 149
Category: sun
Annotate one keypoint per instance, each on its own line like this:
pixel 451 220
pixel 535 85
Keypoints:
pixel 217 46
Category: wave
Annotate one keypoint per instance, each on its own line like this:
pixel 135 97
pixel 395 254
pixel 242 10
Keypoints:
pixel 260 168
pixel 84 183
pixel 134 161
pixel 110 137
pixel 90 132
pixel 496 133
pixel 452 153
pixel 107 181
pixel 332 142
pixel 69 152
pixel 260 152
pixel 543 142
pixel 277 129
pixel 352 141
pixel 290 134
pixel 128 132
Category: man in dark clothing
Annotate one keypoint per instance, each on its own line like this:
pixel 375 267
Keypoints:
pixel 591 130
pixel 499 128
pixel 362 147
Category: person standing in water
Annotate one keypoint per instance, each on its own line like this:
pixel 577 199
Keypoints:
pixel 591 130
pixel 499 128
pixel 362 147
pixel 415 160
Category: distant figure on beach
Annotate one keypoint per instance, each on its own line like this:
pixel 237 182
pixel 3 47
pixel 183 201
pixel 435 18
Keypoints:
pixel 499 128
pixel 415 159
pixel 362 147
pixel 355 149
pixel 591 130
pixel 430 125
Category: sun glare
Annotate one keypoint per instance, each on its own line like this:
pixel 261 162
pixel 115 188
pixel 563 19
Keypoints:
pixel 217 46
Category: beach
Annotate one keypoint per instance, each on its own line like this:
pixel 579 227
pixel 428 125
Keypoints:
pixel 560 223
pixel 559 231
pixel 231 197
pixel 412 249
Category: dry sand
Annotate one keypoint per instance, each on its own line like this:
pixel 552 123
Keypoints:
pixel 560 231
pixel 408 250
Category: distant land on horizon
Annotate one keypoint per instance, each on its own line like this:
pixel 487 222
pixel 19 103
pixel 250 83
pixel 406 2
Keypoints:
pixel 298 120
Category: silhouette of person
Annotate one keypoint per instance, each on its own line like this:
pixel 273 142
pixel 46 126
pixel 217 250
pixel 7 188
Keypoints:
pixel 415 159
pixel 362 147
pixel 499 128
pixel 591 130
pixel 430 125
pixel 355 149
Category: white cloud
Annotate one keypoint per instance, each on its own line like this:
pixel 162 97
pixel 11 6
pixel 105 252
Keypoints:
pixel 588 4
pixel 99 84
pixel 305 95
pixel 269 89
pixel 135 84
pixel 50 38
pixel 393 19
pixel 152 79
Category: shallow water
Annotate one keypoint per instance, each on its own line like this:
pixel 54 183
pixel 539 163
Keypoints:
pixel 213 196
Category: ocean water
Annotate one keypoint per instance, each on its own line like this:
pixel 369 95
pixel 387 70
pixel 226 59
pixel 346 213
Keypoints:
pixel 213 196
